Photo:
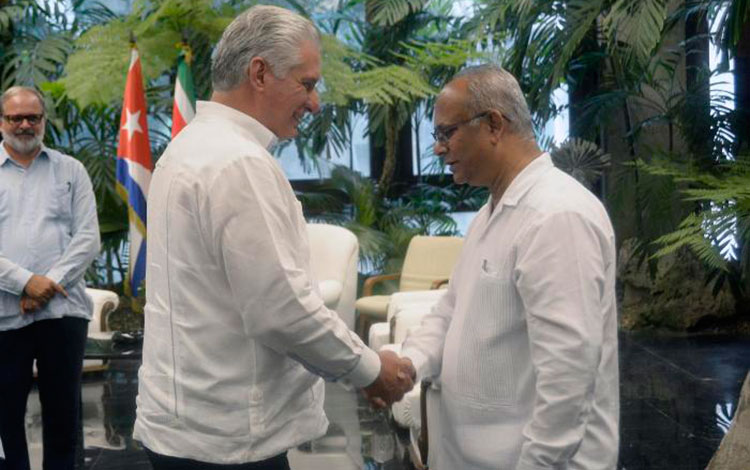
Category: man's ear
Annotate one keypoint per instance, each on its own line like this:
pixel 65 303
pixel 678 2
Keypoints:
pixel 258 72
pixel 496 122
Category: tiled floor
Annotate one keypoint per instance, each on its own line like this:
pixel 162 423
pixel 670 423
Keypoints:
pixel 678 396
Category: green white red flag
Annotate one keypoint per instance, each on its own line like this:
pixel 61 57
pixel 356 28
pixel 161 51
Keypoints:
pixel 183 109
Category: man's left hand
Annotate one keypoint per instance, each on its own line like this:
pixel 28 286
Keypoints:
pixel 29 305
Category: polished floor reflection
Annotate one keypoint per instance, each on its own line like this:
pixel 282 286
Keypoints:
pixel 678 397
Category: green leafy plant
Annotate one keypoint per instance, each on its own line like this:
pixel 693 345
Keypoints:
pixel 719 233
pixel 582 159
pixel 384 226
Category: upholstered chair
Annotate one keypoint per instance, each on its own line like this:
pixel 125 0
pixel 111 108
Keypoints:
pixel 105 302
pixel 427 265
pixel 334 253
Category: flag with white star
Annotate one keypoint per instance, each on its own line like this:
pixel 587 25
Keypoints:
pixel 134 167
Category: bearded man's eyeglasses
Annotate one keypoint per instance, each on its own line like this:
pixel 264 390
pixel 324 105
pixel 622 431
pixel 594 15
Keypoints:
pixel 443 134
pixel 17 119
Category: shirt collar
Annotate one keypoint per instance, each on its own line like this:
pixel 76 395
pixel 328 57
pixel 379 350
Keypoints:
pixel 526 179
pixel 259 132
pixel 5 156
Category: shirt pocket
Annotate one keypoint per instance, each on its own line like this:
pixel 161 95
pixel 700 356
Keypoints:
pixel 488 364
pixel 61 201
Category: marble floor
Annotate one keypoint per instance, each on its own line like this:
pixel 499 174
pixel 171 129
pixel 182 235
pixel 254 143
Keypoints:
pixel 678 396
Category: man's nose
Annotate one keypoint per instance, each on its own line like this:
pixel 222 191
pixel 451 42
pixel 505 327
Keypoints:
pixel 439 148
pixel 313 102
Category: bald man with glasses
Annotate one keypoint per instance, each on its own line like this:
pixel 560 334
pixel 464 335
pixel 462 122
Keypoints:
pixel 524 341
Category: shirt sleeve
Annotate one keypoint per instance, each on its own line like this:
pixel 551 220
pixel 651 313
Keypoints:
pixel 424 346
pixel 13 278
pixel 560 276
pixel 85 242
pixel 253 225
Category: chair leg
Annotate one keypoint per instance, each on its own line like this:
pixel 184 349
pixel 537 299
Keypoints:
pixel 362 326
pixel 423 436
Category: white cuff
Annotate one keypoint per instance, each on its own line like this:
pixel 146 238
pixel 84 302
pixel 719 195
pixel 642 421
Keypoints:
pixel 20 278
pixel 366 370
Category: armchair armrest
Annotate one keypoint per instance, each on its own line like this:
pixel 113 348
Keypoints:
pixel 105 302
pixel 437 284
pixel 372 280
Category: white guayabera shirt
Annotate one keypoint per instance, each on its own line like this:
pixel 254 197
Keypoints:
pixel 234 322
pixel 524 341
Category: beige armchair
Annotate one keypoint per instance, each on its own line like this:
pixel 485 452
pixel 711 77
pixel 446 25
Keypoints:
pixel 105 302
pixel 427 265
pixel 334 254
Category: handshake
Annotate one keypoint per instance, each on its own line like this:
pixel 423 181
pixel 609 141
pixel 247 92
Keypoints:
pixel 396 378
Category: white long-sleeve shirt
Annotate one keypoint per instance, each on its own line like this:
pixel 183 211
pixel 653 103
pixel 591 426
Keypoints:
pixel 524 341
pixel 234 323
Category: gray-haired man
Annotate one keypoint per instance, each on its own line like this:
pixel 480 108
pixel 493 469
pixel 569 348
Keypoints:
pixel 237 336
pixel 524 342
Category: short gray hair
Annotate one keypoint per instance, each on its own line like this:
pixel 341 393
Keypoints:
pixel 492 87
pixel 17 90
pixel 270 32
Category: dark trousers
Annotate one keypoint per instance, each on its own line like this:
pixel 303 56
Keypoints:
pixel 57 345
pixel 163 462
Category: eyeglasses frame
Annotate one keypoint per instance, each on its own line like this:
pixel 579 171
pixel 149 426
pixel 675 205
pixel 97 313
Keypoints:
pixel 32 119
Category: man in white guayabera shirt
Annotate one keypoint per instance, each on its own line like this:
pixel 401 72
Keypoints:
pixel 237 337
pixel 524 342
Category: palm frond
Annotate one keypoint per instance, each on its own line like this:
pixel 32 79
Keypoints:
pixel 581 159
pixel 636 25
pixel 33 60
pixel 390 12
pixel 691 234
pixel 9 14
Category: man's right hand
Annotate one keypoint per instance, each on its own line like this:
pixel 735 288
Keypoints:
pixel 42 288
pixel 396 378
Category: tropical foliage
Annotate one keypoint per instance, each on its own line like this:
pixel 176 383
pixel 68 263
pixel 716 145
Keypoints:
pixel 649 131
pixel 385 225
pixel 60 46
pixel 583 160
pixel 640 87
pixel 718 234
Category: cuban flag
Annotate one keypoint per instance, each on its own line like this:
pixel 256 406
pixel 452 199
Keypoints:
pixel 183 109
pixel 134 168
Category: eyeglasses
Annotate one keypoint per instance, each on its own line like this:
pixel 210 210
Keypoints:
pixel 443 134
pixel 17 119
pixel 309 85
